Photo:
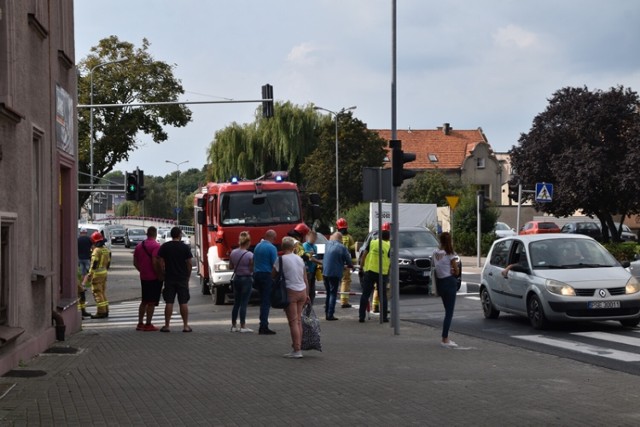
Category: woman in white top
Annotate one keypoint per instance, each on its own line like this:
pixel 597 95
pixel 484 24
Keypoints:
pixel 297 291
pixel 446 283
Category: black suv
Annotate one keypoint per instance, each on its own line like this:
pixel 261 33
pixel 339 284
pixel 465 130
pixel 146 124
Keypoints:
pixel 415 248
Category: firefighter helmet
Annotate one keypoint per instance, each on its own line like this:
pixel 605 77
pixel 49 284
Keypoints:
pixel 386 226
pixel 301 229
pixel 97 237
pixel 341 223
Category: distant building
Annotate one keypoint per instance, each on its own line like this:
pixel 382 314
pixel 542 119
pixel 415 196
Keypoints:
pixel 461 154
pixel 38 177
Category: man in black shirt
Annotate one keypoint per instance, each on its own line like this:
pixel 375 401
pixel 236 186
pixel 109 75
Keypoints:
pixel 174 257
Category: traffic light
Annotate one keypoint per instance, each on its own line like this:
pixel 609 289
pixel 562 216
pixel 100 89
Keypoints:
pixel 482 204
pixel 267 103
pixel 132 186
pixel 399 173
pixel 513 191
pixel 140 194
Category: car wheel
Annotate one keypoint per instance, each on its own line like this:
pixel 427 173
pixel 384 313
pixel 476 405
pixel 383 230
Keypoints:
pixel 630 323
pixel 536 313
pixel 204 284
pixel 487 306
pixel 218 294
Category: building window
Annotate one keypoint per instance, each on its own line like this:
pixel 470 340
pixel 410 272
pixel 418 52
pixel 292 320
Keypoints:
pixel 480 162
pixel 433 158
pixel 36 195
pixel 4 272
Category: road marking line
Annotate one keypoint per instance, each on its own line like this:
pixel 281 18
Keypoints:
pixel 475 298
pixel 591 350
pixel 622 339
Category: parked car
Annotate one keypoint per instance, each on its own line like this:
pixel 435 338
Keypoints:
pixel 627 235
pixel 117 235
pixel 561 277
pixel 503 230
pixel 165 236
pixel 539 227
pixel 133 236
pixel 415 248
pixel 588 228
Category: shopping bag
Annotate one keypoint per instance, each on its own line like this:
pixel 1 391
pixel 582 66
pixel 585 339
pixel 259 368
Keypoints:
pixel 279 296
pixel 310 329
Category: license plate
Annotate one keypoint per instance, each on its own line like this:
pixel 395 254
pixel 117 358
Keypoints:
pixel 426 273
pixel 603 304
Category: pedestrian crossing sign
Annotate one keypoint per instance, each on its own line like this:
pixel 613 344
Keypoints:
pixel 544 192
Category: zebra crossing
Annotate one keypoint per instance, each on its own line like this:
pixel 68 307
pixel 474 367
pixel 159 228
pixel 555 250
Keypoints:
pixel 615 346
pixel 125 315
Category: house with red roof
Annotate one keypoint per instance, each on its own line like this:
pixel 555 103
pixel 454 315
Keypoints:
pixel 459 154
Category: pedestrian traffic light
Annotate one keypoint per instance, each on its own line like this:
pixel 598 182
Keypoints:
pixel 513 191
pixel 482 204
pixel 140 193
pixel 267 103
pixel 131 186
pixel 398 160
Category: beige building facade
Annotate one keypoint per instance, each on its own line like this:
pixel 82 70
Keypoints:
pixel 38 177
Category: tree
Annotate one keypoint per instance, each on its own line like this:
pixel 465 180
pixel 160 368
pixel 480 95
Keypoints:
pixel 431 187
pixel 588 145
pixel 465 224
pixel 358 147
pixel 140 78
pixel 278 143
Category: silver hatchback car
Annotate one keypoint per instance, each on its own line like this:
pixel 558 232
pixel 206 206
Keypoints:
pixel 558 277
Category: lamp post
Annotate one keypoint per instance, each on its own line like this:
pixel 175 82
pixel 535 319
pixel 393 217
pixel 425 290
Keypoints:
pixel 102 64
pixel 336 114
pixel 177 189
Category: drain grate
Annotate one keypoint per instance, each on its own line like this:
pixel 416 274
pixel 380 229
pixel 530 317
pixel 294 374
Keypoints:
pixel 24 373
pixel 61 350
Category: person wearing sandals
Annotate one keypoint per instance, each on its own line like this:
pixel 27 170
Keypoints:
pixel 446 284
pixel 241 260
pixel 295 275
pixel 174 259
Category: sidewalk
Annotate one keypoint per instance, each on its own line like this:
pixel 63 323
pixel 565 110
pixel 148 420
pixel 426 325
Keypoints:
pixel 364 376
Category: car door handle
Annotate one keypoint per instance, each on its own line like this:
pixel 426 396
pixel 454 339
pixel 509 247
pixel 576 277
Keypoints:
pixel 490 273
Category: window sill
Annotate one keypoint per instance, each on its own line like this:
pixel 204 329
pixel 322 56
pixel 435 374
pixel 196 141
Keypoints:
pixel 10 113
pixel 38 274
pixel 9 334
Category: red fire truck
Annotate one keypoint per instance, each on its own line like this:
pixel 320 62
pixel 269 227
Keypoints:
pixel 223 210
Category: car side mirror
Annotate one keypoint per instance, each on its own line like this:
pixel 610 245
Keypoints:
pixel 625 264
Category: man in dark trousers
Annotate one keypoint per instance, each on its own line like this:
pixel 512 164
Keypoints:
pixel 336 258
pixel 84 262
pixel 265 255
pixel 174 258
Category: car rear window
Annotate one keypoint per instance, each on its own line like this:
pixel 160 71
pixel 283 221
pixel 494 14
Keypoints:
pixel 547 225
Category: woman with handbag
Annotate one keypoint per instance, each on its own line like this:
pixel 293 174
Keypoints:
pixel 445 266
pixel 241 260
pixel 294 271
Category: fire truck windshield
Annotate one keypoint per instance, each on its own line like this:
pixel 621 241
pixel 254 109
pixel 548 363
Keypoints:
pixel 268 207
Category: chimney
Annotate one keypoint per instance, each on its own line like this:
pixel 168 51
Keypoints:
pixel 446 128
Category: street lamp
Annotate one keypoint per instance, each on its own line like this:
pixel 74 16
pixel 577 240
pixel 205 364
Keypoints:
pixel 336 114
pixel 177 190
pixel 91 123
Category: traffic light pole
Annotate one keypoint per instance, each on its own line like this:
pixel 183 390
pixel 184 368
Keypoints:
pixel 518 210
pixel 394 273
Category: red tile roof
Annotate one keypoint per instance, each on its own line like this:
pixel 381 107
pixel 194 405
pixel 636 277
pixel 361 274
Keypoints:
pixel 451 149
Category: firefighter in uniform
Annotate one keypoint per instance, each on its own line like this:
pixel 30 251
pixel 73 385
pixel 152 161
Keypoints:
pixel 299 232
pixel 100 259
pixel 376 298
pixel 350 244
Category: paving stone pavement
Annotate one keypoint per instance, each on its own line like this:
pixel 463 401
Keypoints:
pixel 364 376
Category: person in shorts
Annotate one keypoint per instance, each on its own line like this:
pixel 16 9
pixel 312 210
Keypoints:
pixel 174 258
pixel 145 261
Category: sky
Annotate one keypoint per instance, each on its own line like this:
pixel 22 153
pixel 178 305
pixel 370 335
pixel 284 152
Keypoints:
pixel 491 64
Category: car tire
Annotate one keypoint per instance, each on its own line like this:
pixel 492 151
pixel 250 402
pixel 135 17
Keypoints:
pixel 204 284
pixel 488 309
pixel 630 323
pixel 535 312
pixel 218 294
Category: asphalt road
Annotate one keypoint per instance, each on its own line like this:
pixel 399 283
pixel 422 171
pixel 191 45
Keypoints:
pixel 605 344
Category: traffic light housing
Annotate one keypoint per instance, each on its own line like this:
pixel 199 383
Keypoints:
pixel 399 158
pixel 140 194
pixel 482 202
pixel 267 103
pixel 513 191
pixel 131 188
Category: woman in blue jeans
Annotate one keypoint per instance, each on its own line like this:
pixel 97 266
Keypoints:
pixel 241 260
pixel 446 284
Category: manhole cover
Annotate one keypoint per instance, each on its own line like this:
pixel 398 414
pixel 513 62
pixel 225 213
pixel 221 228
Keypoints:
pixel 61 350
pixel 24 373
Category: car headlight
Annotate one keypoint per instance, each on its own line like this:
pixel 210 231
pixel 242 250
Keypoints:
pixel 221 266
pixel 404 261
pixel 632 287
pixel 560 288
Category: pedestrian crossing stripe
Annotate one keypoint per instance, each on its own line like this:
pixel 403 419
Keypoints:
pixel 591 350
pixel 125 314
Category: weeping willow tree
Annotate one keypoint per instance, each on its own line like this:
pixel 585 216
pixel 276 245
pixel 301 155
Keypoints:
pixel 279 143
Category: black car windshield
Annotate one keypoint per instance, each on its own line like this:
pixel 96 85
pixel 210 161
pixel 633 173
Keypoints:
pixel 268 207
pixel 569 253
pixel 416 239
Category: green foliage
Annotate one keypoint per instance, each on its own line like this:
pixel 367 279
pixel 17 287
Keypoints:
pixel 466 243
pixel 465 215
pixel 139 79
pixel 358 147
pixel 624 251
pixel 358 220
pixel 588 145
pixel 431 187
